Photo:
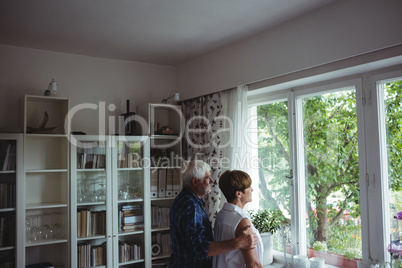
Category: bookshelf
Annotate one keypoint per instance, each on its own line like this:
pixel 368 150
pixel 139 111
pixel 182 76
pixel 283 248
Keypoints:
pixel 165 129
pixel 11 151
pixel 117 189
pixel 90 197
pixel 130 168
pixel 45 194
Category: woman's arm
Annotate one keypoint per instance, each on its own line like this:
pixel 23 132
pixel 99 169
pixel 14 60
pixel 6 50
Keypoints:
pixel 245 239
pixel 249 255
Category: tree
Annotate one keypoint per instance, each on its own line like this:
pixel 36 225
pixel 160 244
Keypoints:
pixel 331 154
pixel 330 135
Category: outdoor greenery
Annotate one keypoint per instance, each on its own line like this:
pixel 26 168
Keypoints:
pixel 320 246
pixel 331 163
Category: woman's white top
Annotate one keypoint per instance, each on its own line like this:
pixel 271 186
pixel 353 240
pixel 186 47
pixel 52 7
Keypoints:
pixel 225 227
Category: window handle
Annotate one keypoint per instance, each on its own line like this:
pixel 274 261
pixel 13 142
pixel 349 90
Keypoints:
pixel 290 175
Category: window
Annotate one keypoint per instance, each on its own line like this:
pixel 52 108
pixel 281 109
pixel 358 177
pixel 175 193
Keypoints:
pixel 331 174
pixel 331 161
pixel 320 196
pixel 273 174
pixel 390 114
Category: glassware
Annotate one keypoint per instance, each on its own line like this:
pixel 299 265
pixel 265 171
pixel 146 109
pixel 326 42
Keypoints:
pixel 36 231
pixel 28 227
pixel 47 230
pixel 102 191
pixel 57 228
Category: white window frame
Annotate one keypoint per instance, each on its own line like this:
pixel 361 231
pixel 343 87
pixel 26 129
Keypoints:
pixel 377 167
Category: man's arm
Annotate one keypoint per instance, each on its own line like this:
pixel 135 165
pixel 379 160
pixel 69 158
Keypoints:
pixel 245 240
pixel 249 255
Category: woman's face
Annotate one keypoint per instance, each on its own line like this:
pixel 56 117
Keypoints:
pixel 247 195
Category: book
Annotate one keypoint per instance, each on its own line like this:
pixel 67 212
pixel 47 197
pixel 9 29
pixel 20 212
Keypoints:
pixel 162 183
pixel 169 183
pixel 176 182
pixel 154 183
pixel 8 157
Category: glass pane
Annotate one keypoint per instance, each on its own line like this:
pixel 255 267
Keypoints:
pixel 273 187
pixel 332 176
pixel 393 122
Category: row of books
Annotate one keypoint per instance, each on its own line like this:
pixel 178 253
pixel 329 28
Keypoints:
pixel 7 230
pixel 131 217
pixel 131 160
pixel 91 255
pixel 162 239
pixel 91 223
pixel 129 251
pixel 7 195
pixel 160 216
pixel 85 161
pixel 7 157
pixel 165 182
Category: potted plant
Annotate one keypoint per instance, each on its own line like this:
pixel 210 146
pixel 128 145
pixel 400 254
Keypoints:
pixel 267 222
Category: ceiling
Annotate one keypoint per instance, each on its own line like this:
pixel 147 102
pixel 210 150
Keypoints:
pixel 165 32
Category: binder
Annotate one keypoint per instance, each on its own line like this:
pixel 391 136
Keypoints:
pixel 169 183
pixel 162 183
pixel 154 183
pixel 176 182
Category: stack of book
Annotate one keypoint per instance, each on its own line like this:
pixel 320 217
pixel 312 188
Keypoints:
pixel 131 160
pixel 91 223
pixel 85 160
pixel 160 216
pixel 7 195
pixel 7 157
pixel 129 251
pixel 91 255
pixel 165 182
pixel 131 217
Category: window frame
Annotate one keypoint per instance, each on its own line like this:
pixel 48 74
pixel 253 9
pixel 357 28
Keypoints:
pixel 294 97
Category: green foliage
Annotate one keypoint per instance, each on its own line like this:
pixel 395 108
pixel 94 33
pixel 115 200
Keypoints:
pixel 320 246
pixel 343 237
pixel 393 109
pixel 353 253
pixel 267 221
pixel 331 153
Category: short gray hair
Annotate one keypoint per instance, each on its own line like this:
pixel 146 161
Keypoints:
pixel 193 169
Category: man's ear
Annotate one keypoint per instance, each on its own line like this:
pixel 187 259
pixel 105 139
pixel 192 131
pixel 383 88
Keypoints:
pixel 194 181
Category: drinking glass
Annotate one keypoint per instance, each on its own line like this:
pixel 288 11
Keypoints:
pixel 28 227
pixel 47 230
pixel 57 228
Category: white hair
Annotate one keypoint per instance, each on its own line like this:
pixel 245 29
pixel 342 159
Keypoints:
pixel 193 169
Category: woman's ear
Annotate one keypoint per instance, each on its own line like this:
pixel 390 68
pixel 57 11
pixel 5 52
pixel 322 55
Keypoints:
pixel 238 194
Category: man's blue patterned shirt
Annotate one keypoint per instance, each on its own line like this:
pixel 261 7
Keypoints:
pixel 191 232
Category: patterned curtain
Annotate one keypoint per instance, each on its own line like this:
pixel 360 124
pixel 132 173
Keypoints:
pixel 201 141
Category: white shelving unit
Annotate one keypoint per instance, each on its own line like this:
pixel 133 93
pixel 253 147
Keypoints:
pixel 11 170
pixel 45 191
pixel 166 160
pixel 120 183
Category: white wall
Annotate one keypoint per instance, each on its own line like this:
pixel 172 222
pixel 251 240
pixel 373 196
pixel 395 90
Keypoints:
pixel 341 30
pixel 82 79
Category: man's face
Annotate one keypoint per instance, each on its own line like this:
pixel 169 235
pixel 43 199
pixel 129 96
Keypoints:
pixel 205 183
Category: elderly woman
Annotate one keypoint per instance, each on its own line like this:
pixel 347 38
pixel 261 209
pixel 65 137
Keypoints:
pixel 232 220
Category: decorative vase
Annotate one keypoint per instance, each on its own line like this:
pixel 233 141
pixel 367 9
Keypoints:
pixel 267 241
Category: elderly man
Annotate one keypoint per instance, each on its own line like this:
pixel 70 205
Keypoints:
pixel 190 228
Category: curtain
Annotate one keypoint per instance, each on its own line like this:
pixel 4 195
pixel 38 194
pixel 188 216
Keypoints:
pixel 236 137
pixel 202 140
